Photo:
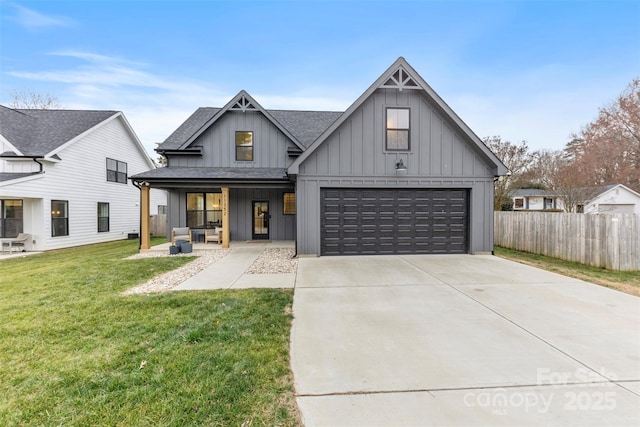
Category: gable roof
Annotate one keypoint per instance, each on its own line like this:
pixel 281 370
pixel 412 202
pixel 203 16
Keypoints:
pixel 400 75
pixel 40 132
pixel 302 127
pixel 609 188
pixel 532 192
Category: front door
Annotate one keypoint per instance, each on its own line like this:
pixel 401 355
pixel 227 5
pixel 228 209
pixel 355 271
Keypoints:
pixel 261 220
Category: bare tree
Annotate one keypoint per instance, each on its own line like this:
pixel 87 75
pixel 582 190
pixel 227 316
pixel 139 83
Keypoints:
pixel 609 149
pixel 516 158
pixel 34 100
pixel 544 167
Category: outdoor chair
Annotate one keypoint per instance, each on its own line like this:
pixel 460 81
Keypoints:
pixel 17 242
pixel 180 233
pixel 213 235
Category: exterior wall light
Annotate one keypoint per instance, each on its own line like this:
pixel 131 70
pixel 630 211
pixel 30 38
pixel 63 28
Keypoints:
pixel 400 167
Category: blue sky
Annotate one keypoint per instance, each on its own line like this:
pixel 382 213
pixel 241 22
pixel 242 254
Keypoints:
pixel 525 70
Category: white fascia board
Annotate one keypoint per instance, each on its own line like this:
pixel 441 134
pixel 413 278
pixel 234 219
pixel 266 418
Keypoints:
pixel 11 146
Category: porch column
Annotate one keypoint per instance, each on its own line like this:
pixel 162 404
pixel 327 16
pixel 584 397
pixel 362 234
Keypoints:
pixel 145 242
pixel 225 218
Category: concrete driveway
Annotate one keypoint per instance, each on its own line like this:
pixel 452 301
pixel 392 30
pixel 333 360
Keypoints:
pixel 460 341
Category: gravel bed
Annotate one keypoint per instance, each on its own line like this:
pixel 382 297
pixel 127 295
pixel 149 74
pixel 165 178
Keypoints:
pixel 273 261
pixel 169 280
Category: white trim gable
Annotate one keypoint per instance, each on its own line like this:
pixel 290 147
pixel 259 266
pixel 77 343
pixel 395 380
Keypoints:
pixel 241 102
pixel 400 75
pixel 125 124
pixel 608 200
pixel 12 147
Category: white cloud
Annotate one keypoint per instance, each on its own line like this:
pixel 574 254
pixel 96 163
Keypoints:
pixel 32 20
pixel 155 105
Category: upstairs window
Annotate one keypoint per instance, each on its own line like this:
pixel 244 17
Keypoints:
pixel 116 171
pixel 397 127
pixel 244 146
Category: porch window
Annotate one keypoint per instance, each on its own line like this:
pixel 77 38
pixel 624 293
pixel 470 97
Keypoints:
pixel 204 210
pixel 11 215
pixel 59 218
pixel 397 128
pixel 289 204
pixel 103 217
pixel 116 171
pixel 244 146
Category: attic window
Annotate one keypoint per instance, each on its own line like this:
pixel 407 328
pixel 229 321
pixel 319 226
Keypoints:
pixel 244 146
pixel 397 128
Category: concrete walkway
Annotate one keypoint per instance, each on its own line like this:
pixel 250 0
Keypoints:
pixel 460 341
pixel 230 271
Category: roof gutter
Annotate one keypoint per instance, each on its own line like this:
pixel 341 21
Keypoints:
pixel 34 158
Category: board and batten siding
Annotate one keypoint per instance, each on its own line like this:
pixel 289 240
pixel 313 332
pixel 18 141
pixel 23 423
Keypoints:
pixel 354 156
pixel 219 143
pixel 80 178
pixel 281 227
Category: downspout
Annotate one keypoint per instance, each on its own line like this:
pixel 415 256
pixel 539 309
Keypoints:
pixel 35 159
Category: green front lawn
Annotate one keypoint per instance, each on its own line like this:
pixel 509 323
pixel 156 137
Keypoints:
pixel 73 351
pixel 624 281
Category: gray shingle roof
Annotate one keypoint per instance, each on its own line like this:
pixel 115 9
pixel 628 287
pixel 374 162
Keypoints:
pixel 8 176
pixel 39 132
pixel 522 192
pixel 211 173
pixel 306 126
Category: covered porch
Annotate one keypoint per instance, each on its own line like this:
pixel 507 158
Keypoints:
pixel 247 204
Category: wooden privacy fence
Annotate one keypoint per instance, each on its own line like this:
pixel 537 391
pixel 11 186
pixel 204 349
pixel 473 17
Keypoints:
pixel 158 225
pixel 611 241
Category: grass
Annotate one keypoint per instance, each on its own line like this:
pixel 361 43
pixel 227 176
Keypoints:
pixel 75 352
pixel 624 281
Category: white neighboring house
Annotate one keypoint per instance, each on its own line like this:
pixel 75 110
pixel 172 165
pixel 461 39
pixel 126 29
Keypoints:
pixel 535 199
pixel 613 200
pixel 64 177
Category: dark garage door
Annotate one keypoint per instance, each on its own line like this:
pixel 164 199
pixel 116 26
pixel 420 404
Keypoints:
pixel 393 221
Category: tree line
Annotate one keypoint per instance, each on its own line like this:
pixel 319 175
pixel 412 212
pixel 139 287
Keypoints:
pixel 606 151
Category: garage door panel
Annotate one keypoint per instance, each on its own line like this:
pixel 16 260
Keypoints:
pixel 393 221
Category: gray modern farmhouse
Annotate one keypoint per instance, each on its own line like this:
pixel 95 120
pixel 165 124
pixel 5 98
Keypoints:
pixel 397 173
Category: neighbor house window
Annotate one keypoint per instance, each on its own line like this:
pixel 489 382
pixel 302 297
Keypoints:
pixel 204 210
pixel 103 217
pixel 59 218
pixel 10 218
pixel 116 171
pixel 549 203
pixel 289 204
pixel 244 146
pixel 397 129
pixel 518 203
